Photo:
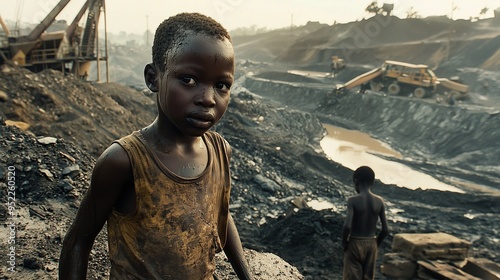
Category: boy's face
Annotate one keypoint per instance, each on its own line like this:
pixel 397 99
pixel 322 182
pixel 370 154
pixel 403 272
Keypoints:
pixel 194 91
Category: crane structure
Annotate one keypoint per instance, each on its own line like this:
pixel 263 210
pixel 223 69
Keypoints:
pixel 71 50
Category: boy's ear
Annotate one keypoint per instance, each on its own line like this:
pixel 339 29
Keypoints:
pixel 151 77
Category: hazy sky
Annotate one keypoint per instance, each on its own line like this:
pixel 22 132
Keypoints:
pixel 133 16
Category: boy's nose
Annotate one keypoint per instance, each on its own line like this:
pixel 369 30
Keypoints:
pixel 207 97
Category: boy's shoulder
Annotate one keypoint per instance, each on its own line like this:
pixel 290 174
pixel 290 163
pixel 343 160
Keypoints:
pixel 352 199
pixel 378 201
pixel 357 197
pixel 115 156
pixel 212 133
pixel 129 137
pixel 217 138
pixel 378 197
pixel 110 168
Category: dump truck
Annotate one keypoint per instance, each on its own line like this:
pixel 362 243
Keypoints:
pixel 395 78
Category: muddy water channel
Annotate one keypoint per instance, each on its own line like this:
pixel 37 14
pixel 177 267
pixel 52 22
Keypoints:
pixel 353 149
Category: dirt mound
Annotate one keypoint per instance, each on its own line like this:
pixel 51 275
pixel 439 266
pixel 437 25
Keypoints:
pixel 126 63
pixel 56 105
pixel 311 238
pixel 262 266
pixel 436 41
pixel 48 182
pixel 267 46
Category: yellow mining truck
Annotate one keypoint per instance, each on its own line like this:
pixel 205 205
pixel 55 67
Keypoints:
pixel 395 78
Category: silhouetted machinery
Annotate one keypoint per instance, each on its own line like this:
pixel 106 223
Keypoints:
pixel 71 50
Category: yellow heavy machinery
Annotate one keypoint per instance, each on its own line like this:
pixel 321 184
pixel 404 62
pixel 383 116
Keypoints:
pixel 71 50
pixel 395 77
pixel 337 65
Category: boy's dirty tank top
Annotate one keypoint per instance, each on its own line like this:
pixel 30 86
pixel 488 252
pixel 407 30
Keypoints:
pixel 178 224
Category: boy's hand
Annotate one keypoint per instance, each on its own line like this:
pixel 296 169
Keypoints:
pixel 344 245
pixel 234 252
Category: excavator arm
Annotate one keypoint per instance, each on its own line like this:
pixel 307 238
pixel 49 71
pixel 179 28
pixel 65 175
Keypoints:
pixel 361 79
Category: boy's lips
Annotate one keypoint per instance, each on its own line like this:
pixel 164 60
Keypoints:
pixel 201 119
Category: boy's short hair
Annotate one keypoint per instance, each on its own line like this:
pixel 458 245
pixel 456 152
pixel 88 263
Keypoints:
pixel 364 174
pixel 173 30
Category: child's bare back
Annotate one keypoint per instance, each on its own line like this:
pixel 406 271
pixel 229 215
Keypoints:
pixel 366 208
pixel 359 237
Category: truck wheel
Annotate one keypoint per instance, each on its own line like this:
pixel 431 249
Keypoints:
pixel 419 92
pixel 376 86
pixel 393 89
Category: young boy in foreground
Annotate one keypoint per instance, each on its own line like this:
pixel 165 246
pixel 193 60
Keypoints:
pixel 164 190
pixel 359 238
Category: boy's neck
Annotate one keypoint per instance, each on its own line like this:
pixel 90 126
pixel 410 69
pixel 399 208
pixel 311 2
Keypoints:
pixel 167 135
pixel 364 188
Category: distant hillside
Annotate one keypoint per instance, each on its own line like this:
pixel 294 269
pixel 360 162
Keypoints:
pixel 269 45
pixel 446 45
pixel 436 41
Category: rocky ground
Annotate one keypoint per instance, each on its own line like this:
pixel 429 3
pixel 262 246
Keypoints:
pixel 276 159
pixel 274 125
pixel 44 173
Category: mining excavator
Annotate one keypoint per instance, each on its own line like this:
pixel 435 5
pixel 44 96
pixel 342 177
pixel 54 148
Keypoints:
pixel 71 50
pixel 397 78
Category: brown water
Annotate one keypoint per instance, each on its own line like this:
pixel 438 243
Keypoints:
pixel 353 149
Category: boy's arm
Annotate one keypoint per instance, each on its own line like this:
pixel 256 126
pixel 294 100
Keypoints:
pixel 385 228
pixel 234 251
pixel 346 230
pixel 108 179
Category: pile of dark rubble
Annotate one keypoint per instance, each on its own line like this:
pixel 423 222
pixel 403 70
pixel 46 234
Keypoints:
pixel 50 176
pixel 50 103
pixel 46 167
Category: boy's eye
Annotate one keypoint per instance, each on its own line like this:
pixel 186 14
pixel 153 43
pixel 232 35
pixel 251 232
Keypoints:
pixel 223 86
pixel 188 80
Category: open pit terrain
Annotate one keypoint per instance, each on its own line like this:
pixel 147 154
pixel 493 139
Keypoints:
pixel 275 124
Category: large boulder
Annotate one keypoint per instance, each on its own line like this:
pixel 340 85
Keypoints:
pixel 417 246
pixel 262 266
